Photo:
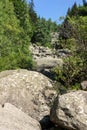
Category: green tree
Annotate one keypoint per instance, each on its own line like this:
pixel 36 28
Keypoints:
pixel 43 30
pixel 13 45
pixel 32 14
pixel 51 26
pixel 66 29
pixel 73 11
pixel 84 3
pixel 21 10
pixel 41 34
pixel 74 33
pixel 82 10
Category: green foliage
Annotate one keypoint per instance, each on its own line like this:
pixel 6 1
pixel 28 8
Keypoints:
pixel 68 73
pixel 60 89
pixel 21 10
pixel 42 32
pixel 73 10
pixel 32 14
pixel 82 10
pixel 73 35
pixel 14 40
pixel 78 11
pixel 19 25
pixel 66 29
pixel 52 26
pixel 69 44
pixel 84 3
pixel 77 86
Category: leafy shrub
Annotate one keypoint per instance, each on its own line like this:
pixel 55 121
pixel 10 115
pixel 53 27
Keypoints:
pixel 67 74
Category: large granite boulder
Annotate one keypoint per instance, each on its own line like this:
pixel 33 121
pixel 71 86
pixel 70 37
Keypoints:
pixel 27 90
pixel 11 118
pixel 70 111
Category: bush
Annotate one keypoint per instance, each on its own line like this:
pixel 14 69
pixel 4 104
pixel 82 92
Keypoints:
pixel 67 74
pixel 15 61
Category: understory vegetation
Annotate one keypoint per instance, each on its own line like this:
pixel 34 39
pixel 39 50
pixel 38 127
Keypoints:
pixel 73 36
pixel 20 25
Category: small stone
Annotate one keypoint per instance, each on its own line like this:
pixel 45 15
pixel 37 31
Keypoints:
pixel 84 85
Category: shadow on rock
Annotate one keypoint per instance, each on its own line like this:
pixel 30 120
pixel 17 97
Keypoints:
pixel 46 124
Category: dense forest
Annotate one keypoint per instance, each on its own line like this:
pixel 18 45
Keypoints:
pixel 20 26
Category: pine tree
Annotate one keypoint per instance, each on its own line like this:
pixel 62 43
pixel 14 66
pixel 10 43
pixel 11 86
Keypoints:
pixel 41 34
pixel 69 12
pixel 74 10
pixel 84 3
pixel 22 13
pixel 32 13
pixel 13 41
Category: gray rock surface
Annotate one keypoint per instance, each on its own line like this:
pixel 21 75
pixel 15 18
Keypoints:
pixel 70 110
pixel 48 62
pixel 84 85
pixel 27 90
pixel 45 57
pixel 12 118
pixel 55 36
pixel 63 52
pixel 40 51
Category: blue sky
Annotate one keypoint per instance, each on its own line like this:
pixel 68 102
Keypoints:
pixel 53 8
